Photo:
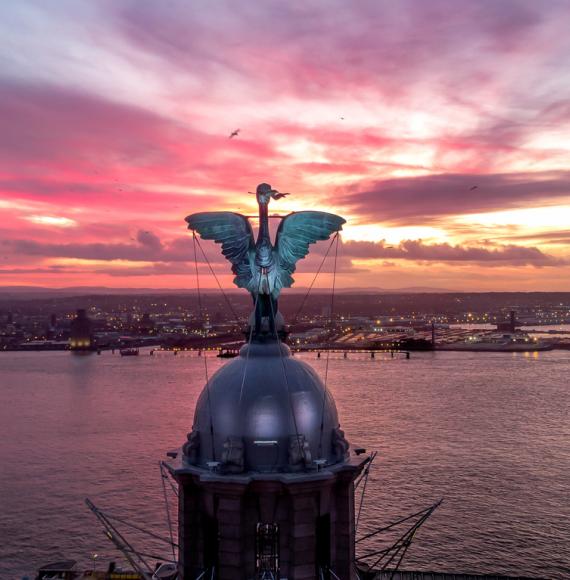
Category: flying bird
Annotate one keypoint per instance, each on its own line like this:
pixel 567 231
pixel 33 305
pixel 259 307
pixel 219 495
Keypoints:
pixel 234 133
pixel 342 118
pixel 473 187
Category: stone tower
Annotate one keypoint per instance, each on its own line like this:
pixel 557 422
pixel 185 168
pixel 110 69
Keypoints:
pixel 81 337
pixel 266 477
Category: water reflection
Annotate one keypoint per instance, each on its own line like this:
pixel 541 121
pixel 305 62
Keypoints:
pixel 488 432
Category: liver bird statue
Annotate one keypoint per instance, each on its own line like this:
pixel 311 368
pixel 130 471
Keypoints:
pixel 260 266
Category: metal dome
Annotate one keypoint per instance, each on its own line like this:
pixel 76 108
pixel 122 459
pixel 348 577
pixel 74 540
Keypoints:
pixel 265 410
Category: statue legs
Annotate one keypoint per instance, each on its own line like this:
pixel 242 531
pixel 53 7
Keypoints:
pixel 266 308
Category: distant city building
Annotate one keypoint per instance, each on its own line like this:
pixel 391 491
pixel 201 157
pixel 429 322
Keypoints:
pixel 107 339
pixel 509 325
pixel 146 324
pixel 50 331
pixel 81 337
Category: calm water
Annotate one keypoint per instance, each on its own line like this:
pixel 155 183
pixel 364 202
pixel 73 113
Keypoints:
pixel 490 433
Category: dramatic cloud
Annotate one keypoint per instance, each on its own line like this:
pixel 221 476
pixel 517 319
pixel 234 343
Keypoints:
pixel 419 251
pixel 148 248
pixel 77 135
pixel 323 49
pixel 419 200
pixel 51 270
pixel 441 126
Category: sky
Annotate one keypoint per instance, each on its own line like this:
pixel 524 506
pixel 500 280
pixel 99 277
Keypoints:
pixel 439 130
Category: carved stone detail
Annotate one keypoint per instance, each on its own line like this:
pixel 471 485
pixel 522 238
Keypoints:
pixel 339 443
pixel 299 453
pixel 232 455
pixel 191 448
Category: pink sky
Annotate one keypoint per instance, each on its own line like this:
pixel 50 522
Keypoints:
pixel 440 130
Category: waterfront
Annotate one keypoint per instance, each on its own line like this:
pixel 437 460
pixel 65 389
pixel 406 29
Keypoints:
pixel 489 433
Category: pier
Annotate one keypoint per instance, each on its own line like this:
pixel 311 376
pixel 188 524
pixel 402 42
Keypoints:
pixel 413 575
pixel 222 352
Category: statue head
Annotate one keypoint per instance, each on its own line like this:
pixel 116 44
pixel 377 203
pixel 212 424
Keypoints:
pixel 264 192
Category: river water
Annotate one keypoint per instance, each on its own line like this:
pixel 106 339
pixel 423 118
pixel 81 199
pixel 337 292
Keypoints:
pixel 487 432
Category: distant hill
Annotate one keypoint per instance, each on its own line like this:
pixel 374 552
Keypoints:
pixel 406 290
pixel 349 302
pixel 27 292
pixel 42 292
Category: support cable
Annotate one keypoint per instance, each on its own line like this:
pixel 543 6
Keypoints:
pixel 138 528
pixel 356 571
pixel 314 280
pixel 230 306
pixel 333 573
pixel 301 450
pixel 371 458
pixel 361 502
pixel 403 542
pixel 384 566
pixel 408 535
pixel 407 545
pixel 328 351
pixel 400 521
pixel 367 471
pixel 172 486
pixel 120 541
pixel 168 478
pixel 204 357
pixel 152 556
pixel 394 550
pixel 169 521
pixel 248 348
pixel 202 575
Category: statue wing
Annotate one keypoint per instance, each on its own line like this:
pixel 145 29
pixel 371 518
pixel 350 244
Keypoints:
pixel 296 232
pixel 234 232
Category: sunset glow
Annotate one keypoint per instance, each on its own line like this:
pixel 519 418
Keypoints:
pixel 440 130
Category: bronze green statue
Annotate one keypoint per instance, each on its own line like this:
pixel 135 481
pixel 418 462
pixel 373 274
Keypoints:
pixel 260 266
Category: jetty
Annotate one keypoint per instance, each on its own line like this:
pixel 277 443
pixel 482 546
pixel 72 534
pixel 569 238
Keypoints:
pixel 415 575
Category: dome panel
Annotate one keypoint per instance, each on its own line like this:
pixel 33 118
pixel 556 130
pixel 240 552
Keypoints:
pixel 265 409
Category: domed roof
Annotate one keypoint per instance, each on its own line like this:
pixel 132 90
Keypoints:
pixel 265 409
